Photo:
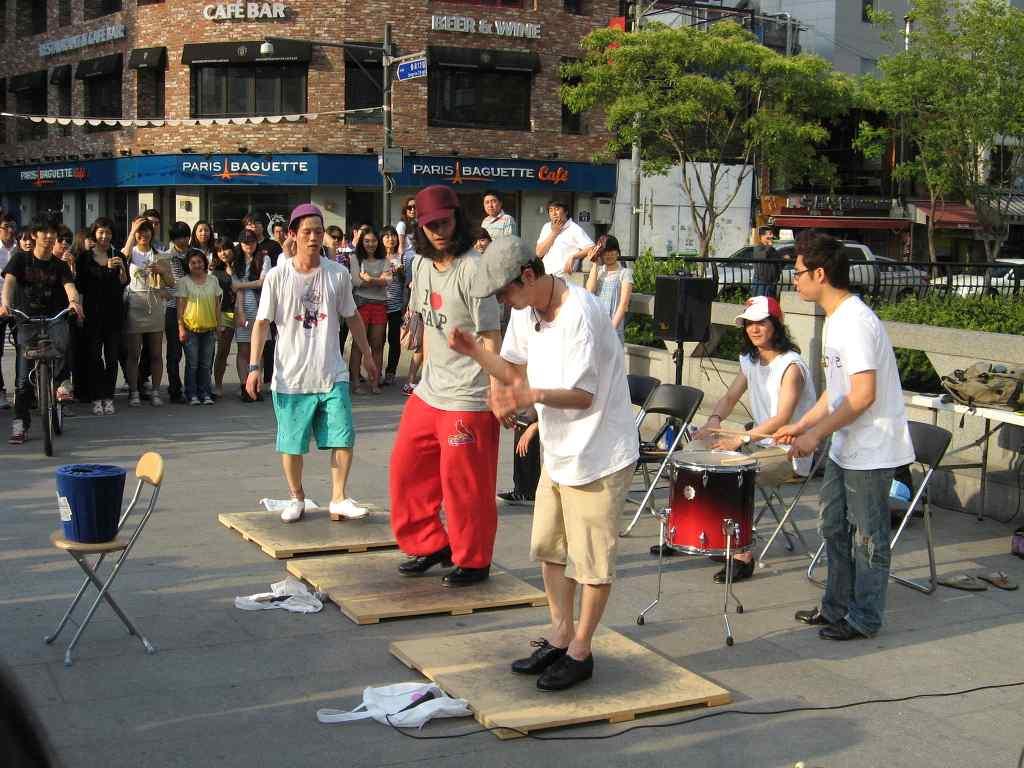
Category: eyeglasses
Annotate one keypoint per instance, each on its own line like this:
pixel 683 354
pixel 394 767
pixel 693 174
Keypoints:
pixel 410 207
pixel 797 273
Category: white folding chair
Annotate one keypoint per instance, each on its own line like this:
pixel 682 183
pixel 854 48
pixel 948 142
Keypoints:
pixel 149 471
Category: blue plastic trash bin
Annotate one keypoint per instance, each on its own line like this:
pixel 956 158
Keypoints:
pixel 89 499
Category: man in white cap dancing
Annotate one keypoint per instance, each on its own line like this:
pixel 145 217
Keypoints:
pixel 306 297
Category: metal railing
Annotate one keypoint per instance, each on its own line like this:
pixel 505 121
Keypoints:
pixel 877 281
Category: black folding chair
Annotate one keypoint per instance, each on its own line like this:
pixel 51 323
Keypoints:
pixel 930 444
pixel 640 390
pixel 676 402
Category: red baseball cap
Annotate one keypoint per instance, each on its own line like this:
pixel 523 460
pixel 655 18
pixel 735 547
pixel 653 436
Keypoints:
pixel 435 203
pixel 760 308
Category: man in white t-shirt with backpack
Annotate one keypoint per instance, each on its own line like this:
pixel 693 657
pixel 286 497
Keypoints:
pixel 306 297
pixel 562 356
pixel 862 409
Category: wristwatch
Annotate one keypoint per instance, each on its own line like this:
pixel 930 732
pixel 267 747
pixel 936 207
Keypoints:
pixel 253 368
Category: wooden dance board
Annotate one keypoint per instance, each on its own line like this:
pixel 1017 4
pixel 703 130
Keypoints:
pixel 629 680
pixel 368 588
pixel 315 533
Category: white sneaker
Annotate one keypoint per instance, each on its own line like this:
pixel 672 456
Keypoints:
pixel 293 512
pixel 347 509
pixel 97 407
pixel 207 400
pixel 134 401
pixel 108 407
pixel 193 401
pixel 155 400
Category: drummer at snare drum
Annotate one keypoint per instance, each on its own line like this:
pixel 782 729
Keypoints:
pixel 781 391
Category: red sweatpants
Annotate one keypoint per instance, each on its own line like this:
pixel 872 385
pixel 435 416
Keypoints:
pixel 447 458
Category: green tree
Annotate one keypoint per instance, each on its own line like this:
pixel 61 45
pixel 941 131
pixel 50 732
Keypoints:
pixel 952 88
pixel 714 97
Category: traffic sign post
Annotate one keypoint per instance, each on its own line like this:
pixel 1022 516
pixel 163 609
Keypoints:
pixel 411 69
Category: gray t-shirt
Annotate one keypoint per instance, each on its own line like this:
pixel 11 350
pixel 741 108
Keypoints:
pixel 450 381
pixel 374 268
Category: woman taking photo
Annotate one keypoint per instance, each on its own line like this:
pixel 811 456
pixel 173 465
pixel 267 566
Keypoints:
pixel 371 276
pixel 199 296
pixel 150 284
pixel 101 278
pixel 221 269
pixel 611 282
pixel 247 272
pixel 202 238
pixel 398 298
pixel 406 226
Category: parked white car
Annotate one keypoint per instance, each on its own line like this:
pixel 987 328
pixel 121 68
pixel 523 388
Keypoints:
pixel 894 280
pixel 999 278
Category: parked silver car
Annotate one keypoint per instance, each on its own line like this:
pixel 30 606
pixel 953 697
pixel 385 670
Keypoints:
pixel 1000 278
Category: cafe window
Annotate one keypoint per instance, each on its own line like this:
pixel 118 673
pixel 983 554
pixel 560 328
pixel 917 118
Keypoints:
pixel 60 78
pixel 364 75
pixel 29 99
pixel 63 13
pixel 242 90
pixel 30 18
pixel 573 6
pixel 473 88
pixel 96 8
pixel 102 81
pixel 572 122
pixel 150 65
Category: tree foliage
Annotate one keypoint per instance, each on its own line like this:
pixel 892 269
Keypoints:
pixel 719 97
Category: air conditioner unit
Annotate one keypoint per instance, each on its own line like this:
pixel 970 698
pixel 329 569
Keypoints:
pixel 602 210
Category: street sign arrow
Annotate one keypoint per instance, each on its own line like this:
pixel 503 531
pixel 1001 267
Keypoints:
pixel 409 70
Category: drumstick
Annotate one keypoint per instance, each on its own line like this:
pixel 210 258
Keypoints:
pixel 737 433
pixel 767 454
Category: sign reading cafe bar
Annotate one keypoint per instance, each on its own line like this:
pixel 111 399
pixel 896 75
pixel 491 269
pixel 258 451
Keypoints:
pixel 244 11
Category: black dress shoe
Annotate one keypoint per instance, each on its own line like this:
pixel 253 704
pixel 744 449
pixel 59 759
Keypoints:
pixel 542 658
pixel 741 571
pixel 565 673
pixel 464 577
pixel 840 631
pixel 666 550
pixel 417 566
pixel 814 617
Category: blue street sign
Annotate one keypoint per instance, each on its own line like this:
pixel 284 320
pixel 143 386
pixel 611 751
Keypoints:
pixel 409 70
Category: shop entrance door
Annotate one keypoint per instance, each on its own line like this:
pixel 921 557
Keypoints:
pixel 227 207
pixel 472 206
pixel 363 206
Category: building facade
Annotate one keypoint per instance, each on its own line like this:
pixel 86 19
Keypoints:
pixel 234 125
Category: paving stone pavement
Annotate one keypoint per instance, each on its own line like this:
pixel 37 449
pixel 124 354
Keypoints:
pixel 231 688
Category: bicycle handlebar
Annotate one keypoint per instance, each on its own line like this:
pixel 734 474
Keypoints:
pixel 30 319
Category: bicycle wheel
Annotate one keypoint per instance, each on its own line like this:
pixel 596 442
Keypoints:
pixel 44 393
pixel 58 413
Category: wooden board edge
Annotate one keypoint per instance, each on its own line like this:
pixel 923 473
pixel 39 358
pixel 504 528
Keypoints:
pixel 395 651
pixel 222 518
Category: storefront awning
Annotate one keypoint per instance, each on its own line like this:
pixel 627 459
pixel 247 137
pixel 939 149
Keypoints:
pixel 101 66
pixel 838 222
pixel 947 215
pixel 247 52
pixel 31 81
pixel 61 75
pixel 484 59
pixel 148 58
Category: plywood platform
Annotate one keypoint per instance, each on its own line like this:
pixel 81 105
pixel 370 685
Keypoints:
pixel 315 533
pixel 368 588
pixel 629 680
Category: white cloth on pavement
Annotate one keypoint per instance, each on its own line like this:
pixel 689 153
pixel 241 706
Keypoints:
pixel 403 705
pixel 290 594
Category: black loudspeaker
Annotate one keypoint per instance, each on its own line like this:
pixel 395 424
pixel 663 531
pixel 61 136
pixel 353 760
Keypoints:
pixel 682 307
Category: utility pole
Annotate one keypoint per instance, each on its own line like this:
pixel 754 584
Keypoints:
pixel 388 143
pixel 634 221
pixel 901 191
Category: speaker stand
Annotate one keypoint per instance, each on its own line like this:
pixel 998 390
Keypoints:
pixel 677 358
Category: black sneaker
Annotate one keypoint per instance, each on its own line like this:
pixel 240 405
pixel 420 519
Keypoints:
pixel 565 673
pixel 417 566
pixel 466 577
pixel 741 571
pixel 515 498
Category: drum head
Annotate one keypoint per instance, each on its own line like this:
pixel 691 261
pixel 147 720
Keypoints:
pixel 713 461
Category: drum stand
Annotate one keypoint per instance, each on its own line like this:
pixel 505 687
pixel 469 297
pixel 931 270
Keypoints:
pixel 731 529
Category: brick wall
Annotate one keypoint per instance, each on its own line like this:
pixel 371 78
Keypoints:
pixel 173 23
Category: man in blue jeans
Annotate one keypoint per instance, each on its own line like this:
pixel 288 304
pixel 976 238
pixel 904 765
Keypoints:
pixel 862 409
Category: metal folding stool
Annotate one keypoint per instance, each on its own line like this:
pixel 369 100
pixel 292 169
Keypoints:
pixel 149 471
pixel 775 494
pixel 676 401
pixel 930 444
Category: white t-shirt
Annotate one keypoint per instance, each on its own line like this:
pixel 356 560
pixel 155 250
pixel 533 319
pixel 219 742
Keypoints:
pixel 579 350
pixel 764 382
pixel 5 256
pixel 569 241
pixel 856 341
pixel 307 308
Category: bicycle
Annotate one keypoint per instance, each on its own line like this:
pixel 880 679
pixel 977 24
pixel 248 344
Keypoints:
pixel 42 351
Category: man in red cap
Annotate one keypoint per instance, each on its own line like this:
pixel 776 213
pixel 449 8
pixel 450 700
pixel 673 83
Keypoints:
pixel 780 391
pixel 306 297
pixel 446 450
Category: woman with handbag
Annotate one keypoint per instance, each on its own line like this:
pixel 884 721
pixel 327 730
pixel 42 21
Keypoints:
pixel 372 273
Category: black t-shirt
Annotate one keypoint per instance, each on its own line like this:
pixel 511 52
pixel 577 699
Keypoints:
pixel 269 247
pixel 102 294
pixel 227 298
pixel 40 283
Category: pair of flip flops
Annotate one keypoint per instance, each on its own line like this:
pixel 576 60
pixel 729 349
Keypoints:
pixel 979 583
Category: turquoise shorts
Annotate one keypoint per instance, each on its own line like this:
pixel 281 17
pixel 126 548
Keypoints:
pixel 325 415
